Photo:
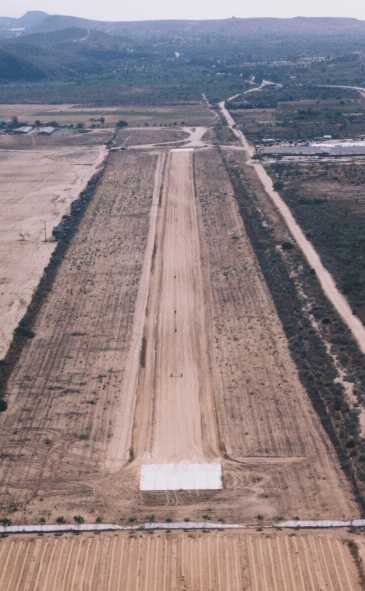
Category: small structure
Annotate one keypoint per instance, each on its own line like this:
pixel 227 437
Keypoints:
pixel 46 130
pixel 24 129
pixel 181 476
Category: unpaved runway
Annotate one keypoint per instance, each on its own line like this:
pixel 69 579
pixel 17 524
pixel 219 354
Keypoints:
pixel 327 282
pixel 175 420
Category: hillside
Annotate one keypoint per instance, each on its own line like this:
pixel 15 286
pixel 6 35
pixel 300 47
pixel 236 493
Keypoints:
pixel 172 60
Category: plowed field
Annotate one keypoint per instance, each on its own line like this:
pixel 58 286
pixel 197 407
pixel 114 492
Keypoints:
pixel 180 562
pixel 63 393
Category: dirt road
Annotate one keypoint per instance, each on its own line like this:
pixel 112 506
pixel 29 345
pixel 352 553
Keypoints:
pixel 328 284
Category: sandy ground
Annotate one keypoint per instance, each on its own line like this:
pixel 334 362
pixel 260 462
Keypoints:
pixel 136 136
pixel 171 378
pixel 176 389
pixel 36 189
pixel 193 137
pixel 67 385
pixel 107 384
pixel 267 426
pixel 60 138
pixel 180 562
pixel 327 282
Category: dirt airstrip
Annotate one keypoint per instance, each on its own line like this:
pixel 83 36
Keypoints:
pixel 160 342
pixel 176 378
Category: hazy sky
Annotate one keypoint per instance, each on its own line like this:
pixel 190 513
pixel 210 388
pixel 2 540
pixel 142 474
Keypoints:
pixel 157 9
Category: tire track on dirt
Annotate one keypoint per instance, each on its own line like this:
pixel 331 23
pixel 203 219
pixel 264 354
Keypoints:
pixel 175 384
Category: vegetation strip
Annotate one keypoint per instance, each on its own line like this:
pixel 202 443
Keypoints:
pixel 63 233
pixel 176 525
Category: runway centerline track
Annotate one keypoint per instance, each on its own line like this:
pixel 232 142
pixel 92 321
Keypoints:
pixel 174 419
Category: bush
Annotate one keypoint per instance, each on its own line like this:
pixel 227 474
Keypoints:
pixel 79 519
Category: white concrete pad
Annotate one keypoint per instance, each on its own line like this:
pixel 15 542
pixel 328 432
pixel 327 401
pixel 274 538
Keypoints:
pixel 182 476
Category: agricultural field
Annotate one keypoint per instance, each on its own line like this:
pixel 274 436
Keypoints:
pixel 36 190
pixel 182 114
pixel 165 561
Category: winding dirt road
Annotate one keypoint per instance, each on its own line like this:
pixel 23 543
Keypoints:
pixel 326 280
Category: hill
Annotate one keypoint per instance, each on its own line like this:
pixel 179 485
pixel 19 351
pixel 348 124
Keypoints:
pixel 180 59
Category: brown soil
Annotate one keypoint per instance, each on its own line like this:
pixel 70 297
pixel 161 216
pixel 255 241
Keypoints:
pixel 36 189
pixel 166 561
pixel 258 391
pixel 149 135
pixel 107 381
pixel 65 389
pixel 175 416
pixel 61 137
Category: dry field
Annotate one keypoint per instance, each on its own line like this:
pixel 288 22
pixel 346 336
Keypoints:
pixel 192 114
pixel 180 562
pixel 160 342
pixel 67 385
pixel 36 189
pixel 268 431
pixel 133 136
pixel 60 138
